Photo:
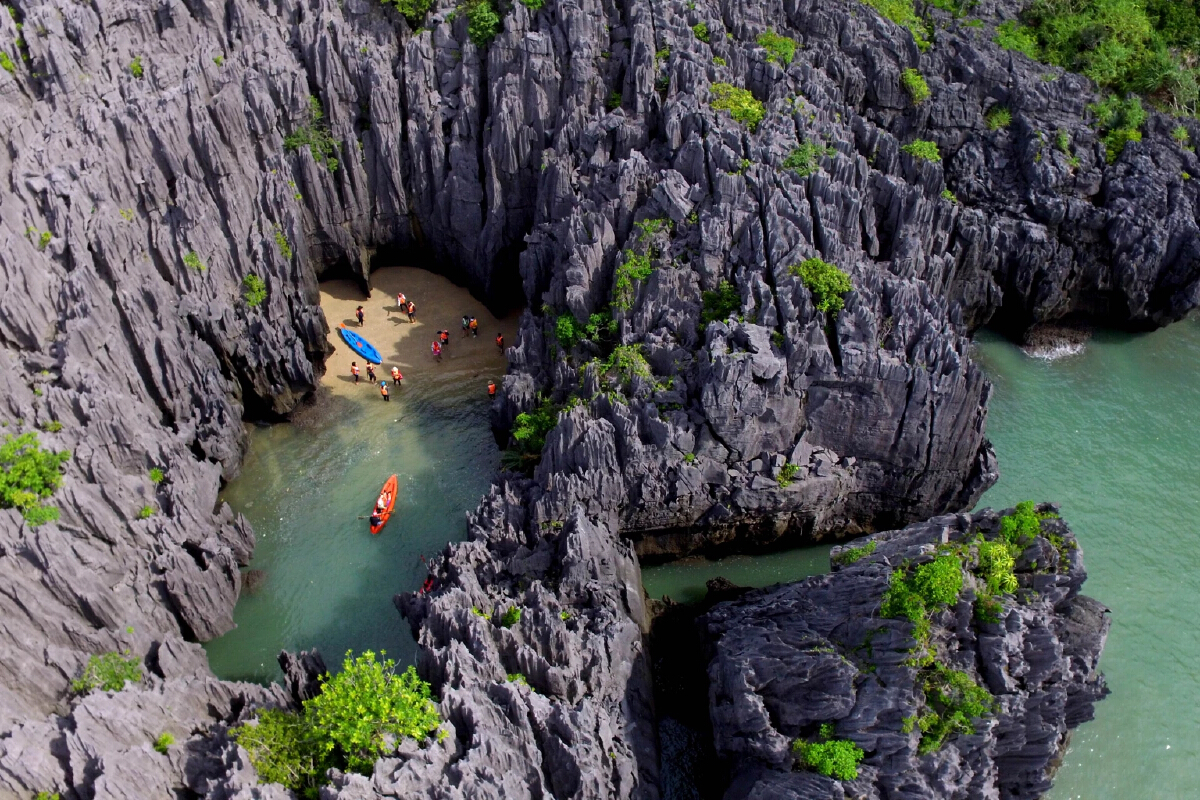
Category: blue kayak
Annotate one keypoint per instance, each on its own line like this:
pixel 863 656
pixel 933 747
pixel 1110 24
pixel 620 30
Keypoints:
pixel 360 345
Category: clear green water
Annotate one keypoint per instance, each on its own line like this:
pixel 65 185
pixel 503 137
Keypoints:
pixel 1113 435
pixel 328 582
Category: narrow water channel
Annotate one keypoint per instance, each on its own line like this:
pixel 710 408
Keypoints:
pixel 326 582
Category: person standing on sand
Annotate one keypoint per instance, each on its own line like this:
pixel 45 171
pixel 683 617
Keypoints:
pixel 444 336
pixel 437 350
pixel 370 373
pixel 354 370
pixel 401 302
pixel 383 391
pixel 358 312
pixel 491 390
pixel 474 327
pixel 500 341
pixel 466 325
pixel 397 378
pixel 411 308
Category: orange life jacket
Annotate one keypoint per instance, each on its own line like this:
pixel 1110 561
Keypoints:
pixel 474 324
pixel 396 376
pixel 491 389
pixel 383 391
pixel 353 369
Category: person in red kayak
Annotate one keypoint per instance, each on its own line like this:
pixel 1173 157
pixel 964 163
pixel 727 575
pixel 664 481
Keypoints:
pixel 500 341
pixel 354 370
pixel 436 348
pixel 397 378
pixel 358 312
pixel 383 390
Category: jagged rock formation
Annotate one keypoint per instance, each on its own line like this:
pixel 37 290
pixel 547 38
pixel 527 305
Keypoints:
pixel 789 658
pixel 135 206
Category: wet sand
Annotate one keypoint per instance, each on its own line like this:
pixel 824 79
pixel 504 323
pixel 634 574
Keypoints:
pixel 467 363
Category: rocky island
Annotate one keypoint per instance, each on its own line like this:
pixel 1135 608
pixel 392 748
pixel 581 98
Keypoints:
pixel 752 242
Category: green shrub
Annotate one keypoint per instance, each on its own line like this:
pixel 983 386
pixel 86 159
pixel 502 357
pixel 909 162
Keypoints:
pixel 1023 525
pixel 44 240
pixel 47 796
pixel 511 617
pixel 53 426
pixel 1180 134
pixel 626 361
pixel 414 10
pixel 914 83
pixel 739 103
pixel 636 267
pixel 855 554
pixel 156 476
pixel 29 475
pixel 360 707
pixel 949 196
pixel 997 562
pixel 192 261
pixel 614 100
pixel 483 23
pixel 109 672
pixel 701 31
pixel 914 594
pixel 954 700
pixel 135 67
pixel 516 677
pixel 566 332
pixel 827 283
pixel 528 437
pixel 833 758
pixel 1119 121
pixel 1062 140
pixel 905 15
pixel 719 304
pixel 282 243
pixel 718 61
pixel 219 60
pixel 314 135
pixel 998 117
pixel 803 160
pixel 787 474
pixel 254 291
pixel 534 5
pixel 284 749
pixel 164 741
pixel 780 49
pixel 923 149
pixel 145 512
pixel 651 227
pixel 6 63
pixel 1012 35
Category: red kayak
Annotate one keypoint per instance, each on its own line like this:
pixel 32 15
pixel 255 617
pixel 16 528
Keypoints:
pixel 388 499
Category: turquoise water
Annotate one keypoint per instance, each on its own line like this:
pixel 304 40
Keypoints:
pixel 1113 435
pixel 328 582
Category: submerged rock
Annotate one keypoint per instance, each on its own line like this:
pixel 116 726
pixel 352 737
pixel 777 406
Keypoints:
pixel 791 658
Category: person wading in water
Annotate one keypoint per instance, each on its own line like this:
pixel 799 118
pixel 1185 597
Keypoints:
pixel 397 378
pixel 383 391
pixel 371 373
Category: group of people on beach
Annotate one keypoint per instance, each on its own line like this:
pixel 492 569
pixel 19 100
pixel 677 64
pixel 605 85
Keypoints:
pixel 470 327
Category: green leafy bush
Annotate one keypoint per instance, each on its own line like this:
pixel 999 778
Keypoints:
pixel 803 160
pixel 219 60
pixel 718 61
pixel 516 677
pixel 914 83
pixel 483 23
pixel 905 15
pixel 47 796
pixel 1062 140
pixel 566 332
pixel 44 240
pixel 528 436
pixel 283 244
pixel 787 474
pixel 366 703
pixel 998 117
pixel 954 699
pixel 29 475
pixel 636 267
pixel 1119 121
pixel 109 671
pixel 135 67
pixel 254 291
pixel 949 196
pixel 740 104
pixel 156 476
pixel 780 49
pixel 614 100
pixel 145 512
pixel 625 361
pixel 701 31
pixel 512 616
pixel 924 149
pixel 534 5
pixel 192 261
pixel 827 283
pixel 314 135
pixel 1180 134
pixel 914 594
pixel 414 10
pixel 284 749
pixel 163 742
pixel 1012 35
pixel 855 554
pixel 6 63
pixel 53 426
pixel 833 758
pixel 720 303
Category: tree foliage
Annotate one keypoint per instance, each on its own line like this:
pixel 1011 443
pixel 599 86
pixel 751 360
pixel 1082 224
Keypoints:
pixel 780 49
pixel 740 104
pixel 827 283
pixel 254 290
pixel 1119 122
pixel 833 758
pixel 108 671
pixel 914 83
pixel 29 475
pixel 923 149
pixel 483 23
pixel 720 303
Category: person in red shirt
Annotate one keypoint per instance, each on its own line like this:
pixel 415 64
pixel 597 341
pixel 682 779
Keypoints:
pixel 491 390
pixel 397 378
pixel 500 341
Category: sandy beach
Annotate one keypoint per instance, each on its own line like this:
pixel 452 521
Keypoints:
pixel 467 363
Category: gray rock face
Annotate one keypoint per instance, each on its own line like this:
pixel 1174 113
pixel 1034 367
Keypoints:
pixel 135 206
pixel 793 657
